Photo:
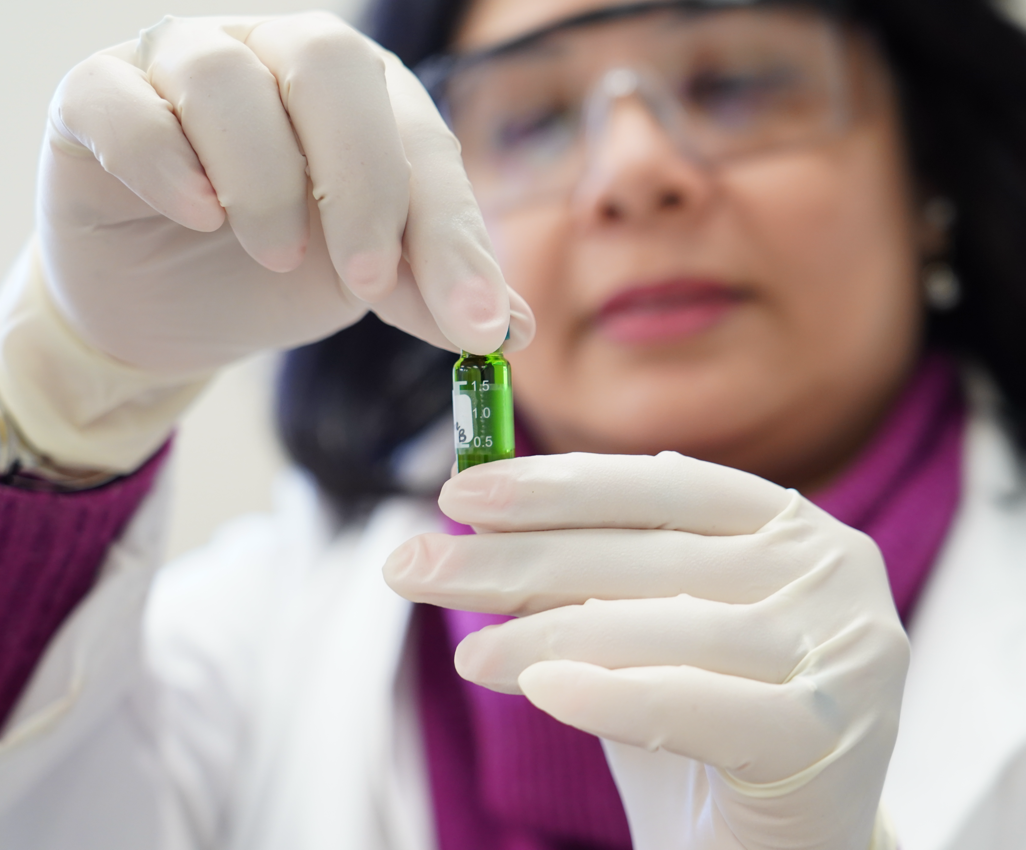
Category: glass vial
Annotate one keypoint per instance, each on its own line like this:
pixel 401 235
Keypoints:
pixel 482 407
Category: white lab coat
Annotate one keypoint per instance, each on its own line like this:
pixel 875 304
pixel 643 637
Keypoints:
pixel 263 701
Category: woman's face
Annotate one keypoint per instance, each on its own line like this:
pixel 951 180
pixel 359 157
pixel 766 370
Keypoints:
pixel 760 314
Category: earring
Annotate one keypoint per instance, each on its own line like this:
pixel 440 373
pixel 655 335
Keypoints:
pixel 941 286
pixel 941 213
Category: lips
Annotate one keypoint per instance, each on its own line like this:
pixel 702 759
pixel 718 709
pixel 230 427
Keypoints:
pixel 666 311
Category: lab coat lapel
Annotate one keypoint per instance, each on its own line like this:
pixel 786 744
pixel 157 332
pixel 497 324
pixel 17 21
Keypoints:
pixel 963 724
pixel 91 665
pixel 331 719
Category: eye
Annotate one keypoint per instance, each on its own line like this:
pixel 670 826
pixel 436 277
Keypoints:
pixel 739 97
pixel 540 127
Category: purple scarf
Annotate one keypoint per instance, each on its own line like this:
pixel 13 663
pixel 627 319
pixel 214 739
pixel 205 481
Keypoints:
pixel 506 776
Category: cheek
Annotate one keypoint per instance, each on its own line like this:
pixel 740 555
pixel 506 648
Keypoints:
pixel 530 247
pixel 834 237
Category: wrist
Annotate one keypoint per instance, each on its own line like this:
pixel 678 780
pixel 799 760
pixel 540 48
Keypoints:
pixel 25 467
pixel 72 413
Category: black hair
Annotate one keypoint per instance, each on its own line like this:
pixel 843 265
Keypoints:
pixel 960 68
pixel 347 402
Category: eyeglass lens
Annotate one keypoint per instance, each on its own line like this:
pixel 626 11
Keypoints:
pixel 723 84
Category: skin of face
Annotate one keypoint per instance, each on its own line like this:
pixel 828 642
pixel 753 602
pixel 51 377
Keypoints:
pixel 822 243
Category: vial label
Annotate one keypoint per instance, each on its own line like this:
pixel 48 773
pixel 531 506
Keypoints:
pixel 463 416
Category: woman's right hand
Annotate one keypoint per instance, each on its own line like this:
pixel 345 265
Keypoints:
pixel 224 185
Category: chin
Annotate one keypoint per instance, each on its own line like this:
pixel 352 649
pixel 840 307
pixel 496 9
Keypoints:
pixel 706 407
pixel 653 430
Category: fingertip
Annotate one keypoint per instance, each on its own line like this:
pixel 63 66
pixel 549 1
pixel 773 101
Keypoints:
pixel 398 566
pixel 521 323
pixel 552 686
pixel 278 241
pixel 197 206
pixel 534 681
pixel 445 494
pixel 423 568
pixel 205 218
pixel 477 314
pixel 469 488
pixel 585 696
pixel 465 661
pixel 187 198
pixel 372 275
pixel 474 662
pixel 282 258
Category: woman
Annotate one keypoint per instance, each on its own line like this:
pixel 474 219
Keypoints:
pixel 738 227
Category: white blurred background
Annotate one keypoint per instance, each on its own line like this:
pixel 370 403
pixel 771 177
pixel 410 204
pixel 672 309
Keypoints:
pixel 227 456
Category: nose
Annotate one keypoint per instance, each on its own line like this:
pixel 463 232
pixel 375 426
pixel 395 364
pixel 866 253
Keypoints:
pixel 637 173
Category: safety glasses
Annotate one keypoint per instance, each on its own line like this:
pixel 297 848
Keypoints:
pixel 723 81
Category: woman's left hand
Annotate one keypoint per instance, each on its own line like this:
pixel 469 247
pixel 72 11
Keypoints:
pixel 735 646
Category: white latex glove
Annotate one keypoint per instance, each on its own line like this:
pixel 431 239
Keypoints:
pixel 735 646
pixel 224 185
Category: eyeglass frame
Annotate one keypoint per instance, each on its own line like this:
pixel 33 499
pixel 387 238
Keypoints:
pixel 438 70
pixel 435 70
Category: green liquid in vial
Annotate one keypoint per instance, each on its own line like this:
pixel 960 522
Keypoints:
pixel 482 406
